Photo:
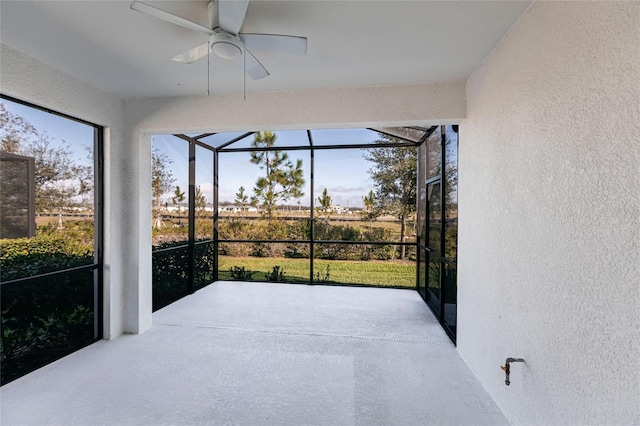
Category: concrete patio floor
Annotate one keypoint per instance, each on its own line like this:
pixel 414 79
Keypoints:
pixel 264 354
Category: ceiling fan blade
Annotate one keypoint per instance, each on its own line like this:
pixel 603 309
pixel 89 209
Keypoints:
pixel 277 43
pixel 231 14
pixel 254 68
pixel 169 17
pixel 194 54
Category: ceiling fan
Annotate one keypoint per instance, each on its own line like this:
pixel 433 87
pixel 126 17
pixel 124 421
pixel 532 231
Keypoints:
pixel 225 40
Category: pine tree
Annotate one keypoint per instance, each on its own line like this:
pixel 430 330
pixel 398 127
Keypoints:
pixel 282 180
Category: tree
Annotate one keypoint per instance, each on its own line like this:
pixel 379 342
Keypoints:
pixel 371 209
pixel 201 203
pixel 161 181
pixel 325 205
pixel 15 131
pixel 178 197
pixel 394 173
pixel 85 177
pixel 282 179
pixel 58 178
pixel 54 174
pixel 241 200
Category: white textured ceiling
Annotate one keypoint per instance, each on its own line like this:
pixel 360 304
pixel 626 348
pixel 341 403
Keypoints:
pixel 350 43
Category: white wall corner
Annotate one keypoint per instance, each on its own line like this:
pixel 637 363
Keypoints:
pixel 133 225
pixel 30 80
pixel 144 199
pixel 549 232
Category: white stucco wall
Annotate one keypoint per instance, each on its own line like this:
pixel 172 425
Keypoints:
pixel 302 109
pixel 30 80
pixel 549 233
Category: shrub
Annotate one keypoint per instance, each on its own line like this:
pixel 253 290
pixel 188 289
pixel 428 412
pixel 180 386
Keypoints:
pixel 45 318
pixel 204 265
pixel 276 274
pixel 269 250
pixel 170 274
pixel 240 274
pixel 170 270
pixel 297 250
pixel 243 229
pixel 323 277
pixel 48 252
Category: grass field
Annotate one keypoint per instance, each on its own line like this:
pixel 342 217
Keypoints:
pixel 390 273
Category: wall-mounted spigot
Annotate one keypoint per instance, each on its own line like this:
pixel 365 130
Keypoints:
pixel 507 368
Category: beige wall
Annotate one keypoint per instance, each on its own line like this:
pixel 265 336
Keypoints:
pixel 549 243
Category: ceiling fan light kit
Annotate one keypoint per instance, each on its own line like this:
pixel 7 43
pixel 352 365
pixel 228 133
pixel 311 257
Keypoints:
pixel 226 45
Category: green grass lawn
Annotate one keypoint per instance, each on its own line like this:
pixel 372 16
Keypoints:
pixel 390 273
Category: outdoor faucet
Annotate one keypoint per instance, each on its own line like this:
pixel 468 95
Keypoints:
pixel 507 368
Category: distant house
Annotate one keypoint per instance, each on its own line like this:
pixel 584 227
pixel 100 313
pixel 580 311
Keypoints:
pixel 338 209
pixel 341 210
pixel 237 209
pixel 176 208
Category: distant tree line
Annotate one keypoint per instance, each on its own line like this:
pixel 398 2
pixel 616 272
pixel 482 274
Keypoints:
pixel 393 171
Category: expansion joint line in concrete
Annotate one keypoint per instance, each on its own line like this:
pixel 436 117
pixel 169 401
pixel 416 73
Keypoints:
pixel 309 333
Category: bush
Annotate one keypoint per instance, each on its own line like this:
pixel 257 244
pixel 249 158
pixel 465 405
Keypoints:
pixel 204 265
pixel 276 275
pixel 44 319
pixel 297 251
pixel 170 274
pixel 334 251
pixel 324 276
pixel 170 271
pixel 49 317
pixel 240 274
pixel 26 257
pixel 244 229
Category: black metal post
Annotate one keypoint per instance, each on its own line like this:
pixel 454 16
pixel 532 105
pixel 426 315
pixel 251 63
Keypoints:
pixel 419 184
pixel 443 162
pixel 312 225
pixel 98 238
pixel 215 215
pixel 192 214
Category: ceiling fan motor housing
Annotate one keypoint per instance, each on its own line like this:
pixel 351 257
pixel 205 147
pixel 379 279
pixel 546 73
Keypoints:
pixel 226 45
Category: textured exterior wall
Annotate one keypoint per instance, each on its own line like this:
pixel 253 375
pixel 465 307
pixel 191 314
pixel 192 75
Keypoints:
pixel 549 256
pixel 321 108
pixel 30 80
